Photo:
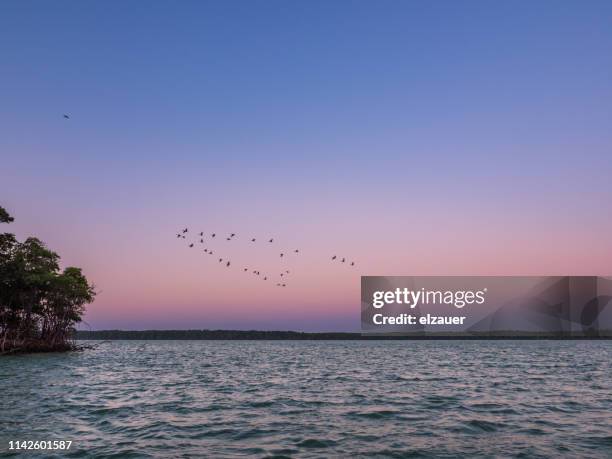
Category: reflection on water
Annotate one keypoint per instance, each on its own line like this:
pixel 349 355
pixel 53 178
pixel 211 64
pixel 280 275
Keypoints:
pixel 314 399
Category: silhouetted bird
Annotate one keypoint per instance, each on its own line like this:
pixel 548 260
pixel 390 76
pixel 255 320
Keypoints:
pixel 265 278
pixel 183 237
pixel 232 235
pixel 334 257
pixel 270 240
pixel 228 263
pixel 191 245
pixel 352 263
pixel 201 241
pixel 213 234
pixel 343 260
pixel 205 250
pixel 253 240
pixel 229 238
pixel 282 274
pixel 185 230
pixel 287 271
pixel 284 285
pixel 282 255
pixel 296 251
pixel 220 260
pixel 210 253
pixel 66 117
pixel 245 269
pixel 202 233
pixel 178 235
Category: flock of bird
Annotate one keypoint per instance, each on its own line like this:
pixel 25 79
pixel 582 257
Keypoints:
pixel 282 283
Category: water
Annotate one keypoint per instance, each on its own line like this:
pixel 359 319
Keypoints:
pixel 220 399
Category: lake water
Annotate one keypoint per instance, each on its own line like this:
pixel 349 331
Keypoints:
pixel 218 399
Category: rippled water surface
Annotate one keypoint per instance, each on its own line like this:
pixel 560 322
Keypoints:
pixel 314 399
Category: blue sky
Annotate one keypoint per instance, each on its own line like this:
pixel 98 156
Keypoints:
pixel 314 119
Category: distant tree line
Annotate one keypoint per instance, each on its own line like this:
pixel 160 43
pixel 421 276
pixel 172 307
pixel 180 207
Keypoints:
pixel 292 335
pixel 39 303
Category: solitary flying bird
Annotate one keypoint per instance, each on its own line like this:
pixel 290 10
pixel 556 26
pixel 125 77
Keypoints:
pixel 201 241
pixel 213 234
pixel 202 233
pixel 178 235
pixel 245 269
pixel 185 230
pixel 352 263
pixel 66 116
pixel 220 260
pixel 253 240
pixel 228 263
pixel 270 240
pixel 343 260
pixel 229 238
pixel 334 257
pixel 191 245
pixel 282 255
pixel 232 235
pixel 296 251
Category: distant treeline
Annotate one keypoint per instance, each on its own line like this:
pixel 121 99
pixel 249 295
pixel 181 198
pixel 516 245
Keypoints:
pixel 292 335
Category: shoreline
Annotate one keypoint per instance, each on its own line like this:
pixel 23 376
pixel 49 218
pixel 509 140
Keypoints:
pixel 249 335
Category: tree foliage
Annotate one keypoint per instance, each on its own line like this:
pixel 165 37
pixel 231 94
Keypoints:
pixel 39 303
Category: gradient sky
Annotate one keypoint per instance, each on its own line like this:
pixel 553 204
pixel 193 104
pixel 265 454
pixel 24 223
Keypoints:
pixel 416 137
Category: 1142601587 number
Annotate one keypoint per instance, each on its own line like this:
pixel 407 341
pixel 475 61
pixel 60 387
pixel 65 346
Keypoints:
pixel 40 444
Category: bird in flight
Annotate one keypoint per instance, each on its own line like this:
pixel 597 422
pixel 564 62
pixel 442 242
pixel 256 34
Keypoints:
pixel 296 251
pixel 191 245
pixel 352 263
pixel 282 255
pixel 245 269
pixel 178 235
pixel 270 240
pixel 343 260
pixel 202 233
pixel 253 240
pixel 201 241
pixel 66 117
pixel 220 260
pixel 334 257
pixel 228 263
pixel 229 238
pixel 213 234
pixel 232 235
pixel 185 230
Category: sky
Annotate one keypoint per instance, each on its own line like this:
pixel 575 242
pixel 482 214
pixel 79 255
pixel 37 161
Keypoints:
pixel 413 137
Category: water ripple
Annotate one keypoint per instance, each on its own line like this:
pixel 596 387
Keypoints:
pixel 272 399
